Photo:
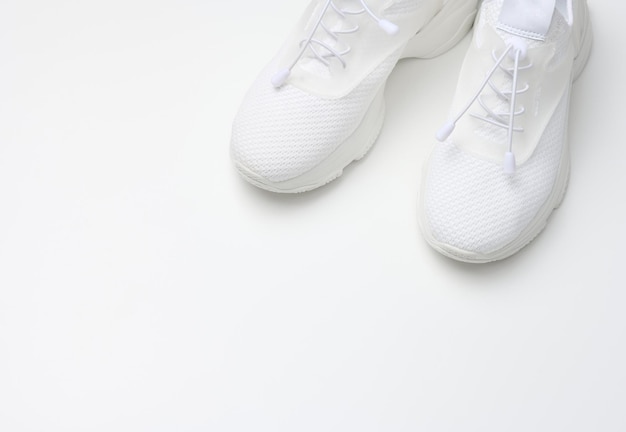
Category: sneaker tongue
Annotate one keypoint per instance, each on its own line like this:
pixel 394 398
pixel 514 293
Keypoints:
pixel 527 18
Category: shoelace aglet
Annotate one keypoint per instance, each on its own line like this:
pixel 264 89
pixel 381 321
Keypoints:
pixel 280 78
pixel 445 131
pixel 509 163
pixel 389 27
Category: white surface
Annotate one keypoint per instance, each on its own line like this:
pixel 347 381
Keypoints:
pixel 145 287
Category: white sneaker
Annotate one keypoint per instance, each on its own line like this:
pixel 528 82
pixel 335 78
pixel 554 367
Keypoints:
pixel 503 164
pixel 319 104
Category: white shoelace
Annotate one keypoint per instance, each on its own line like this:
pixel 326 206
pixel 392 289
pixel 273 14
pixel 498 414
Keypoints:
pixel 517 49
pixel 310 43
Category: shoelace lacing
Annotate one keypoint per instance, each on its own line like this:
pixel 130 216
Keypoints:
pixel 311 42
pixel 517 49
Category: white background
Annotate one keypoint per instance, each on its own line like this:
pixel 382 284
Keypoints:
pixel 145 287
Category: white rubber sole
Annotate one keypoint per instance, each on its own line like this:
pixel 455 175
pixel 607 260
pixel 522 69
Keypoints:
pixel 554 200
pixel 433 40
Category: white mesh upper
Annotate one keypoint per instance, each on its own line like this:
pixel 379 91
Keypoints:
pixel 469 203
pixel 283 133
pixel 472 205
pixel 280 134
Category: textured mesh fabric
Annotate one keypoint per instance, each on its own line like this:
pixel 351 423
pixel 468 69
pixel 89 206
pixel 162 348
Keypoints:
pixel 473 206
pixel 281 134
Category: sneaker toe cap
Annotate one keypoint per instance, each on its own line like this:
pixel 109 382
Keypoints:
pixel 470 208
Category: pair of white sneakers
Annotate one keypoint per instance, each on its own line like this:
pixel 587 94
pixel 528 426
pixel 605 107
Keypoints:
pixel 502 164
